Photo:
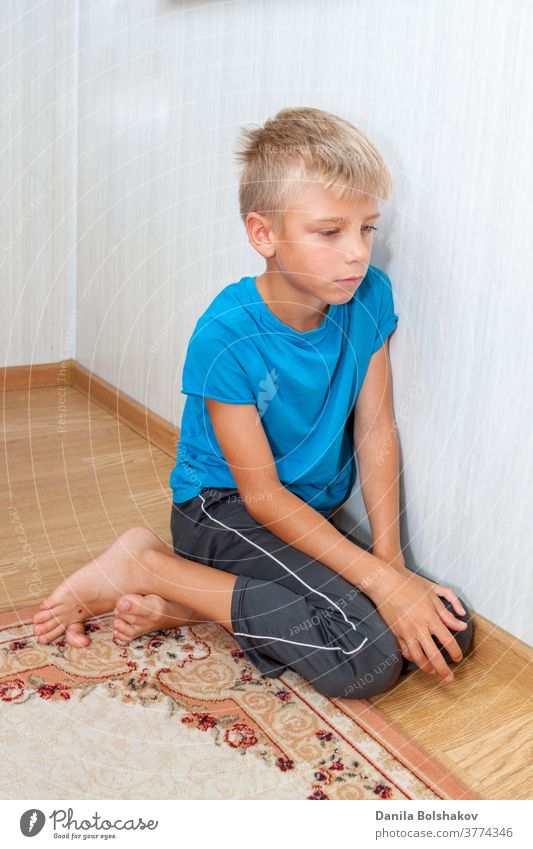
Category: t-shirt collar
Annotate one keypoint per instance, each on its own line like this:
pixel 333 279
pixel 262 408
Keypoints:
pixel 267 317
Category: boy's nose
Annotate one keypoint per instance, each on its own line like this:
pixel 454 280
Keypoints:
pixel 357 256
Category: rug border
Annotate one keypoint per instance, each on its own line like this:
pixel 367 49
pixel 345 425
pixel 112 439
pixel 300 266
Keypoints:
pixel 427 767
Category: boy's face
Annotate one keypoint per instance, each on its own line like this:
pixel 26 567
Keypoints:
pixel 325 244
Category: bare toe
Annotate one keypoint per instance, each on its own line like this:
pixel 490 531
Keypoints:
pixel 123 631
pixel 51 635
pixel 133 604
pixel 76 636
pixel 42 616
pixel 136 609
pixel 44 627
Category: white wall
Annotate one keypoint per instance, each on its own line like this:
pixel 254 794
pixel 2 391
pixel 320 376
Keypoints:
pixel 444 89
pixel 38 167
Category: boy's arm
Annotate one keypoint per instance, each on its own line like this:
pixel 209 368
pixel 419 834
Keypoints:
pixel 377 449
pixel 409 605
pixel 243 441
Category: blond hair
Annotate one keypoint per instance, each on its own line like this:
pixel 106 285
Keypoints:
pixel 301 145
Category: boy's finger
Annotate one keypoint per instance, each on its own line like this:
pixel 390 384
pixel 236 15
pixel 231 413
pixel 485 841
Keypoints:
pixel 435 657
pixel 448 642
pixel 420 658
pixel 450 596
pixel 455 624
pixel 404 648
pixel 448 618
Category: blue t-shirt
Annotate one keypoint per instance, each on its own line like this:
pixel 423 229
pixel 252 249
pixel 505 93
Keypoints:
pixel 304 386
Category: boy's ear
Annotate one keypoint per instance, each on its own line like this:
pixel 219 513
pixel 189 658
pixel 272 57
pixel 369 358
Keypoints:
pixel 261 234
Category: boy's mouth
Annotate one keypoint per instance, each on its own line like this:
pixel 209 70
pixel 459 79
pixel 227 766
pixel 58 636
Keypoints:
pixel 349 281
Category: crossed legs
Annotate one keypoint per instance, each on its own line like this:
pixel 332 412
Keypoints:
pixel 163 590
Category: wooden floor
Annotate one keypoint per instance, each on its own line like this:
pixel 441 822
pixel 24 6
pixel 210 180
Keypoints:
pixel 69 494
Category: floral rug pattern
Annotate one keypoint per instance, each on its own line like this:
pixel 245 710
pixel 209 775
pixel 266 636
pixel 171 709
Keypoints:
pixel 183 714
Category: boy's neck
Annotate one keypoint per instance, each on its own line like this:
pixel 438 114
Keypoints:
pixel 300 310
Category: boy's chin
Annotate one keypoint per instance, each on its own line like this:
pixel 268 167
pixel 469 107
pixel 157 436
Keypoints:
pixel 334 294
pixel 344 293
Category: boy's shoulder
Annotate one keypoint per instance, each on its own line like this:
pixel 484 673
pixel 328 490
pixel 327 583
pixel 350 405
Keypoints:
pixel 227 304
pixel 227 311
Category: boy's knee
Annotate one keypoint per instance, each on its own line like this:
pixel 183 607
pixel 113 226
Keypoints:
pixel 376 671
pixel 360 680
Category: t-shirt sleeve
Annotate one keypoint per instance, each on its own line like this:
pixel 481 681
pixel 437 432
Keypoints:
pixel 387 318
pixel 214 367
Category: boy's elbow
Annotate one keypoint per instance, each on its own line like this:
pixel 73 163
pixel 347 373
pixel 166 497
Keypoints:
pixel 259 500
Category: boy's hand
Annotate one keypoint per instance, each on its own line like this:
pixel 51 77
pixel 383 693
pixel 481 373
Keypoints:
pixel 411 607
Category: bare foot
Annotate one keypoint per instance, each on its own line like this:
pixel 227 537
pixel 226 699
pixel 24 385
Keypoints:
pixel 142 614
pixel 93 589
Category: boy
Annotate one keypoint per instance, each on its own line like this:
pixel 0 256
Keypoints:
pixel 286 373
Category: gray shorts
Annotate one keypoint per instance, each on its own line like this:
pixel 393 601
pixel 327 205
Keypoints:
pixel 290 611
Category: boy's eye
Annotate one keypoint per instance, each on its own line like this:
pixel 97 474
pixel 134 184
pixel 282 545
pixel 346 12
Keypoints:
pixel 328 233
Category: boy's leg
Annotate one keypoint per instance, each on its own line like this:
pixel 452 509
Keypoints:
pixel 138 562
pixel 328 631
pixel 298 613
pixel 138 614
pixel 288 610
pixel 324 654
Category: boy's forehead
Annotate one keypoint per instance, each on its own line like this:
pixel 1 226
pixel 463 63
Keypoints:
pixel 343 219
pixel 325 206
pixel 331 213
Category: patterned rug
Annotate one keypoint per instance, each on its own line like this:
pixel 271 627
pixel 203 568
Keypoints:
pixel 182 714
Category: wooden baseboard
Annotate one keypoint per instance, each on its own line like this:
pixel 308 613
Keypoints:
pixel 498 648
pixel 36 377
pixel 147 424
